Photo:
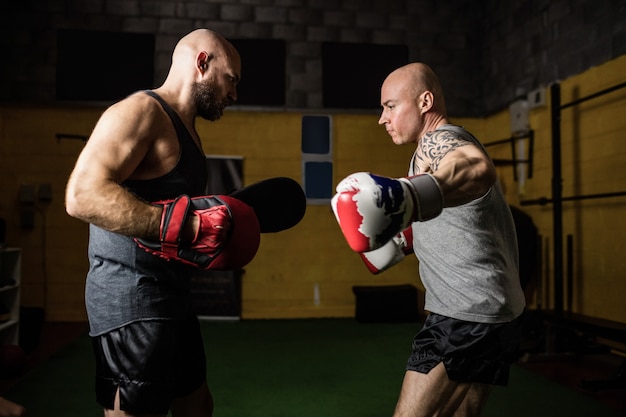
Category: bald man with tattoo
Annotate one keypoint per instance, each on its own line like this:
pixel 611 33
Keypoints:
pixel 467 256
pixel 451 213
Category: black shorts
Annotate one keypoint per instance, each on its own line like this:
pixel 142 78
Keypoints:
pixel 151 362
pixel 470 352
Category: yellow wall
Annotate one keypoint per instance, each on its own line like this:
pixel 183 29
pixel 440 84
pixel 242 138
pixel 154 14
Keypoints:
pixel 31 155
pixel 593 154
pixel 279 282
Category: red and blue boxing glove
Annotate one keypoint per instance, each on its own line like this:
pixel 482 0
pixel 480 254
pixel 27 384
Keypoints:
pixel 389 254
pixel 371 210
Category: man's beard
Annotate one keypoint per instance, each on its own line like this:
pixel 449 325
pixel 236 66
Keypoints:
pixel 207 105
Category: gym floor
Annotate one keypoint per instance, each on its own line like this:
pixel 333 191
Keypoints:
pixel 575 371
pixel 566 370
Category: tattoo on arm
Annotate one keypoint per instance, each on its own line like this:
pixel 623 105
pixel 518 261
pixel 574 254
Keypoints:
pixel 437 144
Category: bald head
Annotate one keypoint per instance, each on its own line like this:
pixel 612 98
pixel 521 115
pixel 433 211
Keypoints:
pixel 412 103
pixel 200 39
pixel 204 74
pixel 204 41
pixel 417 78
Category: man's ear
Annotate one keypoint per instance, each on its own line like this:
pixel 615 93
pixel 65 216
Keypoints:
pixel 427 101
pixel 202 61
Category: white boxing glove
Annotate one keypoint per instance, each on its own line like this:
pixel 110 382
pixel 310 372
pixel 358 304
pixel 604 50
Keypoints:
pixel 390 254
pixel 371 209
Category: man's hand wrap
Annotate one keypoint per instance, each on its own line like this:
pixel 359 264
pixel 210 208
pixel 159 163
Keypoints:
pixel 227 237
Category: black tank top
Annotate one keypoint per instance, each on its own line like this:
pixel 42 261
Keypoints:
pixel 126 284
pixel 189 176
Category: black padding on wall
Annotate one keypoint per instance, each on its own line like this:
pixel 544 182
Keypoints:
pixel 352 73
pixel 103 66
pixel 262 72
pixel 386 303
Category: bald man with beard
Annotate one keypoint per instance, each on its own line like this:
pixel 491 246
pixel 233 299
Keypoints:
pixel 145 148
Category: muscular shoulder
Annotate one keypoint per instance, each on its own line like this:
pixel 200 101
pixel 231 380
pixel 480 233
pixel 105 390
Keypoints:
pixel 135 119
pixel 437 144
pixel 138 109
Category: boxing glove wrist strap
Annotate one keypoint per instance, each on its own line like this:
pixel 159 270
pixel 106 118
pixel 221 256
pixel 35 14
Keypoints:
pixel 428 196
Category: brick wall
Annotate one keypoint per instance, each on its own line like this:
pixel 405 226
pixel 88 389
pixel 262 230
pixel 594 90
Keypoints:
pixel 486 52
pixel 531 44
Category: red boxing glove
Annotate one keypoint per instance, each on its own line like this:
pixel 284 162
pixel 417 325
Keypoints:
pixel 390 254
pixel 228 234
pixel 372 209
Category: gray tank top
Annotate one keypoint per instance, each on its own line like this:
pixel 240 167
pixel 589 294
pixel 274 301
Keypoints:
pixel 468 258
pixel 124 282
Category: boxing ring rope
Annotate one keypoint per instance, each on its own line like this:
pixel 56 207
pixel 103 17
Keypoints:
pixel 557 190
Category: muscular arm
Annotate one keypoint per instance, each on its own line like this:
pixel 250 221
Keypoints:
pixel 462 169
pixel 123 138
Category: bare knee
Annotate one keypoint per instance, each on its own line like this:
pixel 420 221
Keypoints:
pixel 474 401
pixel 431 394
pixel 434 394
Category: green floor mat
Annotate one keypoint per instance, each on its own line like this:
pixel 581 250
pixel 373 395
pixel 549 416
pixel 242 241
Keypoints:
pixel 296 368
